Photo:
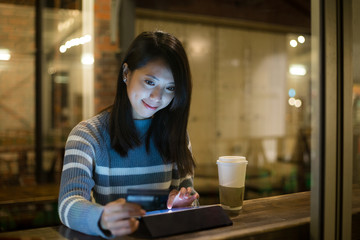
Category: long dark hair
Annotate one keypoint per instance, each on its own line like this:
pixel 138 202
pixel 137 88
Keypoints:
pixel 169 125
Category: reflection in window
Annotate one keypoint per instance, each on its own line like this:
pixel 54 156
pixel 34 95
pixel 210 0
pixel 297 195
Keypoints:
pixel 62 106
pixel 251 89
pixel 356 94
pixel 251 97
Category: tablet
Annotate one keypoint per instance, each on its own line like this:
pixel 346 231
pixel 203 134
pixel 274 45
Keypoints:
pixel 166 222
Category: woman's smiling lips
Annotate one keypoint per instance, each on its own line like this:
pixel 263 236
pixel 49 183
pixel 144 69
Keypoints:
pixel 148 106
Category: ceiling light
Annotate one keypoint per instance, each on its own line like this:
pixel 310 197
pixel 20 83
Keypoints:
pixel 5 54
pixel 297 70
pixel 87 59
pixel 293 43
pixel 301 39
pixel 75 42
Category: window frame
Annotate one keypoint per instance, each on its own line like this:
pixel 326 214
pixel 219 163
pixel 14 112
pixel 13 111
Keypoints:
pixel 331 161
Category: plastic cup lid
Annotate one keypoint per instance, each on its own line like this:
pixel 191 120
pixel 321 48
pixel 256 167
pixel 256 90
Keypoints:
pixel 232 159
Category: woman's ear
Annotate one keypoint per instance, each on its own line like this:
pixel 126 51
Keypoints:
pixel 126 73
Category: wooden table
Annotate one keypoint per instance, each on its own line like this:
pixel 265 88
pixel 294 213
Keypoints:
pixel 274 216
pixel 278 217
pixel 29 194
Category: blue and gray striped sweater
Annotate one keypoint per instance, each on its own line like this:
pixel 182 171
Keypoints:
pixel 94 174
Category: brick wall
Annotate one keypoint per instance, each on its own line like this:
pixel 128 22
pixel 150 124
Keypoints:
pixel 17 75
pixel 106 66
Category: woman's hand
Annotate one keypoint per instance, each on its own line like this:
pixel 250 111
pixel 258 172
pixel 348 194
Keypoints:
pixel 182 198
pixel 118 217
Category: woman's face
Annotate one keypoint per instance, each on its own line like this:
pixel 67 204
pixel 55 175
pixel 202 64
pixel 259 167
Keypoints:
pixel 149 88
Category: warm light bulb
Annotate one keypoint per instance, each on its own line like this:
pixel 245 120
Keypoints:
pixel 301 39
pixel 62 48
pixel 293 43
pixel 291 101
pixel 87 59
pixel 75 42
pixel 297 70
pixel 5 54
pixel 298 103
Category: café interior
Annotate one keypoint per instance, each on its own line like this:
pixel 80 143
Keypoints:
pixel 273 81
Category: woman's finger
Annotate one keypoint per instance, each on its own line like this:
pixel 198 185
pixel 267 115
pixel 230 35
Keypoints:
pixel 118 211
pixel 182 193
pixel 171 198
pixel 189 196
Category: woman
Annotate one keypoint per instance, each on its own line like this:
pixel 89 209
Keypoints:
pixel 139 142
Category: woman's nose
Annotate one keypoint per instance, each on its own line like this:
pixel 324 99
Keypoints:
pixel 157 93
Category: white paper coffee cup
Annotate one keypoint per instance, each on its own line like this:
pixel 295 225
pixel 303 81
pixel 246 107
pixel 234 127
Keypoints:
pixel 232 172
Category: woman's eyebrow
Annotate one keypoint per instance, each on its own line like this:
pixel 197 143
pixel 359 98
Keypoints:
pixel 152 77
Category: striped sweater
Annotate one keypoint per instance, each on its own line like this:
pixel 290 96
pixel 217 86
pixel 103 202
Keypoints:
pixel 94 174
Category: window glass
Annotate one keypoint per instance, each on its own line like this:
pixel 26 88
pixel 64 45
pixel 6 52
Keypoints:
pixel 62 80
pixel 17 93
pixel 356 94
pixel 24 202
pixel 250 65
pixel 356 117
pixel 251 93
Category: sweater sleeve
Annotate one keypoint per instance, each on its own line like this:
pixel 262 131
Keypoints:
pixel 75 207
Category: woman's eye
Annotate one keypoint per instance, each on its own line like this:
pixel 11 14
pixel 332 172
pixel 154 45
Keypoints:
pixel 171 89
pixel 149 82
